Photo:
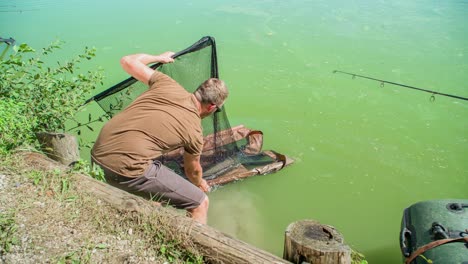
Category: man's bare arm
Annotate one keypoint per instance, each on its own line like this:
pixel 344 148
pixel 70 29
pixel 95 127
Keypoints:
pixel 194 171
pixel 137 64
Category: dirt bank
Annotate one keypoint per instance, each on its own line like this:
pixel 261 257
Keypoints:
pixel 44 219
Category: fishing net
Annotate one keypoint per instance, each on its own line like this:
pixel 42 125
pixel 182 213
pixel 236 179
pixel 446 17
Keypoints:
pixel 228 153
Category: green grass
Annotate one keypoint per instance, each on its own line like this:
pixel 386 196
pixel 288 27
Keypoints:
pixel 357 258
pixel 8 228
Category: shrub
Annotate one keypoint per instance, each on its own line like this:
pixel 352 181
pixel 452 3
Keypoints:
pixel 46 96
pixel 15 128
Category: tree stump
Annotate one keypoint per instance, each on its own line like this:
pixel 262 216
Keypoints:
pixel 311 242
pixel 59 147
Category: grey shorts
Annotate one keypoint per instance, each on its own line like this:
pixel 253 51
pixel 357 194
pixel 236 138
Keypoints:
pixel 159 184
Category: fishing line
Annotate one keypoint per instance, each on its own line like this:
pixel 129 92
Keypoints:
pixel 383 82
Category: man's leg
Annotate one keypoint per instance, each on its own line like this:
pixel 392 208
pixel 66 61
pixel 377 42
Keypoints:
pixel 167 187
pixel 170 188
pixel 200 214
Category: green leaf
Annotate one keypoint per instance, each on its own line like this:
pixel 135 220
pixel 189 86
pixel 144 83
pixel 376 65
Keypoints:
pixel 25 48
pixel 71 199
pixel 15 241
pixel 101 246
pixel 64 185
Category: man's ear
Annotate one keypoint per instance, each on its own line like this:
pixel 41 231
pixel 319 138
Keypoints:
pixel 211 107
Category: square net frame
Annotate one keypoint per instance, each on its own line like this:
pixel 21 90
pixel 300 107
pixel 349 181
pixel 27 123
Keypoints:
pixel 222 151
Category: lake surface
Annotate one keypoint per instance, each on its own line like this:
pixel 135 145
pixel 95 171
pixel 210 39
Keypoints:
pixel 363 152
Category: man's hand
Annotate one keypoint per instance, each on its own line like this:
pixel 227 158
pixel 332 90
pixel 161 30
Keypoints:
pixel 204 186
pixel 166 57
pixel 137 64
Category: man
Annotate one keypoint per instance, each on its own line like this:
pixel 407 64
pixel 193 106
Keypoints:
pixel 163 118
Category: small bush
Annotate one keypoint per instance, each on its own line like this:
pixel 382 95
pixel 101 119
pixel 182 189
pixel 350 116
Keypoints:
pixel 15 128
pixel 48 96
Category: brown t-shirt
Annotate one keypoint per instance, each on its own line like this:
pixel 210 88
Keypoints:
pixel 161 119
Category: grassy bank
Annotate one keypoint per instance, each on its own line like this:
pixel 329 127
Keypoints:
pixel 43 218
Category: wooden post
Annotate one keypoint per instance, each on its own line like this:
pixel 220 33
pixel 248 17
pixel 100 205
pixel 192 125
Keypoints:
pixel 311 242
pixel 59 147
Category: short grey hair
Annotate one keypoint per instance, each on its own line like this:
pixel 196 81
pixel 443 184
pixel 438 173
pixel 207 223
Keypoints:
pixel 212 91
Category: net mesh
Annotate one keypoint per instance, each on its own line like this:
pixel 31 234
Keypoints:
pixel 223 151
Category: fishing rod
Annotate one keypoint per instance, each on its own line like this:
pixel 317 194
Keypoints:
pixel 382 82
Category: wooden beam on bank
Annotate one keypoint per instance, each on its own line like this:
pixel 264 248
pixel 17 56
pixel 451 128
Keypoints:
pixel 216 246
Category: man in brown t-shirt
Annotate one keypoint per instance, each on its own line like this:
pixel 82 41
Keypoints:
pixel 161 119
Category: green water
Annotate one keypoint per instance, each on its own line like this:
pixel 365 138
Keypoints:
pixel 363 153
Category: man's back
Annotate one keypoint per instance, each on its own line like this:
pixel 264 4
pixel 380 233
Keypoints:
pixel 163 118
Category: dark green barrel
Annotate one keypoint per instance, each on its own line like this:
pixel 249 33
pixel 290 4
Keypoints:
pixel 427 221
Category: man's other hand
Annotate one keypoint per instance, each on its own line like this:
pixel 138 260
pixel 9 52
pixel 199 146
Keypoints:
pixel 204 186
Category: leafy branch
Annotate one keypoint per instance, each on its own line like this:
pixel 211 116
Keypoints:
pixel 47 95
